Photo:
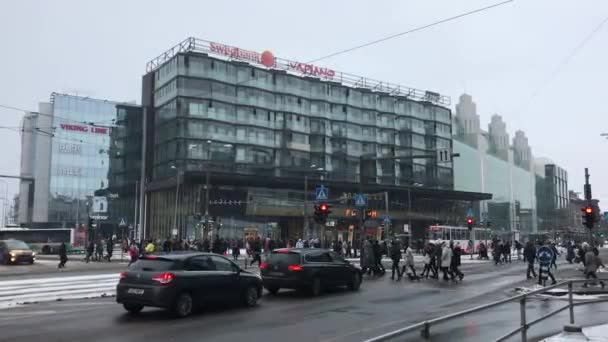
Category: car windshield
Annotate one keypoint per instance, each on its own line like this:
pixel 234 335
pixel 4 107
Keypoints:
pixel 153 265
pixel 284 258
pixel 16 244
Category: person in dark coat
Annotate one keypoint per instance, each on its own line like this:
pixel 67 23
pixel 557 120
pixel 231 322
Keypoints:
pixel 395 257
pixel 90 250
pixel 529 257
pixel 236 251
pixel 63 255
pixel 378 258
pixel 437 252
pixel 167 245
pixel 570 252
pixel 257 251
pixel 455 262
pixel 110 248
pixel 555 254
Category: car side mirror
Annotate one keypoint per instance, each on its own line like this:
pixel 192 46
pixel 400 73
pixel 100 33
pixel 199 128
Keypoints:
pixel 236 269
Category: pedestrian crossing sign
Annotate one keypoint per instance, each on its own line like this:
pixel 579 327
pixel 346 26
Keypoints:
pixel 123 222
pixel 322 193
pixel 361 200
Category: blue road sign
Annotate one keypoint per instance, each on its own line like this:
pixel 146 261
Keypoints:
pixel 361 200
pixel 387 219
pixel 322 193
pixel 544 255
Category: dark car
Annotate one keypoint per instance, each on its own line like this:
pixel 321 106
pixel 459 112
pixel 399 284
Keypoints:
pixel 308 269
pixel 16 252
pixel 182 282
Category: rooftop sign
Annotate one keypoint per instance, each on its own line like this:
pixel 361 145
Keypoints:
pixel 268 60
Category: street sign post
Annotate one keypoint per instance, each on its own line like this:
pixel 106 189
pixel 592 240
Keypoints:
pixel 544 255
pixel 322 193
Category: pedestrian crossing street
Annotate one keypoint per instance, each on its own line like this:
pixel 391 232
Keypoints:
pixel 26 291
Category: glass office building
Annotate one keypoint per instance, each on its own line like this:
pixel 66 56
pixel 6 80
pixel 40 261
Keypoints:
pixel 489 164
pixel 257 125
pixel 66 148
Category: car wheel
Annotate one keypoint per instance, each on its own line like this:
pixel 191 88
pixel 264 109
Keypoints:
pixel 182 306
pixel 251 296
pixel 355 282
pixel 316 287
pixel 133 308
pixel 273 290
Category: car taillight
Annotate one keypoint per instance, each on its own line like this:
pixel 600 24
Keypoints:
pixel 164 278
pixel 296 268
pixel 263 266
pixel 123 275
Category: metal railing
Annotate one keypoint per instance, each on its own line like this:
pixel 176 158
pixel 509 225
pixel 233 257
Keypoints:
pixel 425 326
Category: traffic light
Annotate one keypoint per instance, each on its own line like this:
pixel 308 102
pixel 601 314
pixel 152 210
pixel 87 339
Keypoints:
pixel 321 212
pixel 588 216
pixel 90 223
pixel 470 222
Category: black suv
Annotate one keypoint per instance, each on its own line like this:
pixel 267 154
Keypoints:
pixel 308 269
pixel 181 282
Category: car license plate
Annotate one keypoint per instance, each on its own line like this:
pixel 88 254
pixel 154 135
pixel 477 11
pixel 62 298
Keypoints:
pixel 275 274
pixel 135 291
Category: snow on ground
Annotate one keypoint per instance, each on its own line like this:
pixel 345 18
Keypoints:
pixel 19 292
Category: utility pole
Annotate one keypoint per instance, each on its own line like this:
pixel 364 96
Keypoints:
pixel 206 202
pixel 445 156
pixel 588 197
pixel 305 213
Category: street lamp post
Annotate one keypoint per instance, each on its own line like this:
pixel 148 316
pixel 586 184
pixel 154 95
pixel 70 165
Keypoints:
pixel 305 224
pixel 176 197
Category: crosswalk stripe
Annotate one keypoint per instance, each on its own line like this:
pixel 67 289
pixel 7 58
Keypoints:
pixel 17 292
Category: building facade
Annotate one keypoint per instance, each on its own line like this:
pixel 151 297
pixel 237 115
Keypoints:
pixel 553 197
pixel 66 150
pixel 489 163
pixel 234 133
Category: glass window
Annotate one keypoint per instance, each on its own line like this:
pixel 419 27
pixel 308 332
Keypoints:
pixel 322 257
pixel 223 264
pixel 337 257
pixel 201 263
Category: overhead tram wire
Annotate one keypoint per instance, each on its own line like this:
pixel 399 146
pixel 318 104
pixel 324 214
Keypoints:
pixel 58 117
pixel 555 72
pixel 420 28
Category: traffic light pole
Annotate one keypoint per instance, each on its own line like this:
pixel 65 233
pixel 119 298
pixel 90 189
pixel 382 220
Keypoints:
pixel 305 222
pixel 362 179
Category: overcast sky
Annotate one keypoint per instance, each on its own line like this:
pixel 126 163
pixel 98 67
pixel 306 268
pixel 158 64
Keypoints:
pixel 501 57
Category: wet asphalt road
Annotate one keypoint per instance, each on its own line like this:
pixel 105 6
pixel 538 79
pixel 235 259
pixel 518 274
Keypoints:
pixel 380 306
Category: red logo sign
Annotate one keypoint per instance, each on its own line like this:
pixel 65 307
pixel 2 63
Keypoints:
pixel 309 69
pixel 268 60
pixel 80 128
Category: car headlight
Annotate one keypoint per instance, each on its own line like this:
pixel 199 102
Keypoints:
pixel 13 254
pixel 34 254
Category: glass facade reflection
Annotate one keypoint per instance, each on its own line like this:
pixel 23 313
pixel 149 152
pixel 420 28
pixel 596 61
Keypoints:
pixel 513 203
pixel 79 158
pixel 255 127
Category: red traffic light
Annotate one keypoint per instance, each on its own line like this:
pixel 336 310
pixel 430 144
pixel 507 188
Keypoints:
pixel 323 207
pixel 589 210
pixel 470 221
